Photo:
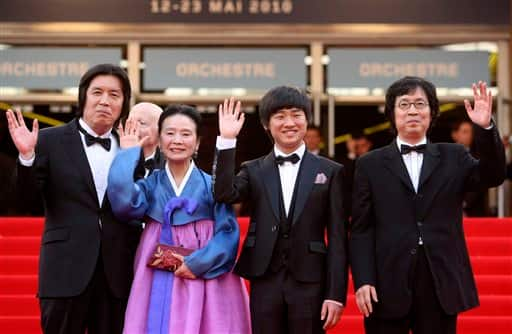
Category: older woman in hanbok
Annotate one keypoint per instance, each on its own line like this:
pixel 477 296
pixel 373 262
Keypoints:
pixel 202 295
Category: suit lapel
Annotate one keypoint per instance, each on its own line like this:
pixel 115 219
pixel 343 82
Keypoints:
pixel 159 159
pixel 72 143
pixel 115 137
pixel 394 162
pixel 305 179
pixel 271 180
pixel 139 171
pixel 430 163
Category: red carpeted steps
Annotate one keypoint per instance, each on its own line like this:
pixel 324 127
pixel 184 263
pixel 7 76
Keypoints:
pixel 19 250
pixel 489 242
pixel 490 247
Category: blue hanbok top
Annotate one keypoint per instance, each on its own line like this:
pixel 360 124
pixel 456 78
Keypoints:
pixel 149 197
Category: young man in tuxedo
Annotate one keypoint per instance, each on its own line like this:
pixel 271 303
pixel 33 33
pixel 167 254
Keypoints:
pixel 86 258
pixel 298 281
pixel 409 259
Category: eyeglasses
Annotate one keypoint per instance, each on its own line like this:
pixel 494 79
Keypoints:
pixel 406 105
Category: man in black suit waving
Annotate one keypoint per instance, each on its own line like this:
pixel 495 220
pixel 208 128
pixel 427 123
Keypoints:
pixel 298 282
pixel 408 254
pixel 86 258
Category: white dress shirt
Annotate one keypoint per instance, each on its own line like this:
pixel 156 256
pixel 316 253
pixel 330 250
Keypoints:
pixel 288 175
pixel 413 161
pixel 99 159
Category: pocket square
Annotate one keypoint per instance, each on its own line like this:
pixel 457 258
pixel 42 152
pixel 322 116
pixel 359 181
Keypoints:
pixel 320 178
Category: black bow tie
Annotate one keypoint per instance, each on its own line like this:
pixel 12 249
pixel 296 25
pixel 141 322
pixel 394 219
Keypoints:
pixel 90 139
pixel 404 149
pixel 149 164
pixel 294 158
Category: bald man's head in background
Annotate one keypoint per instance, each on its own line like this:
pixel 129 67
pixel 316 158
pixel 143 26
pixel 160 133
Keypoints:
pixel 146 115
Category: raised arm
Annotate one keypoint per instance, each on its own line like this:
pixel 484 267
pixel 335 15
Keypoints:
pixel 489 170
pixel 24 139
pixel 231 119
pixel 227 187
pixel 481 113
pixel 129 199
pixel 27 182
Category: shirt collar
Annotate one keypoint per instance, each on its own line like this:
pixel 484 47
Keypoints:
pixel 179 190
pixel 152 156
pixel 299 151
pixel 90 131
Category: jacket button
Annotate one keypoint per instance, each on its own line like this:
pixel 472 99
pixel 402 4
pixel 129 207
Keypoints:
pixel 413 251
pixel 274 228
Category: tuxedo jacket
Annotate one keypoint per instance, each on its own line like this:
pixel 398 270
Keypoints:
pixel 72 239
pixel 388 217
pixel 140 170
pixel 475 203
pixel 348 182
pixel 318 208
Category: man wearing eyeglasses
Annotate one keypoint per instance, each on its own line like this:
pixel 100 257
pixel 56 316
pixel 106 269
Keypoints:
pixel 409 259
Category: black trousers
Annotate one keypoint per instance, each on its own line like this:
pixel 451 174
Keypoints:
pixel 426 315
pixel 280 304
pixel 95 310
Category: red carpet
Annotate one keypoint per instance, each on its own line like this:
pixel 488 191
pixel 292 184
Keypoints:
pixel 489 242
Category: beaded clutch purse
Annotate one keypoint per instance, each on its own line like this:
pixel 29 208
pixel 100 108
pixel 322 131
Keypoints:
pixel 162 257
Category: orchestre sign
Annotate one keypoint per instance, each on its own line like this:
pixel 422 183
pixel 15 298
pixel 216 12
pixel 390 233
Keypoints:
pixel 377 68
pixel 223 68
pixel 50 68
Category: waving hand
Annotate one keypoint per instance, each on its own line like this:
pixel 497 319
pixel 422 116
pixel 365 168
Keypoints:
pixel 129 135
pixel 231 119
pixel 24 140
pixel 481 112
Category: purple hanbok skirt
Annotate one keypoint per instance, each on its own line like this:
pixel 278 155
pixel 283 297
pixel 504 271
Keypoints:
pixel 219 305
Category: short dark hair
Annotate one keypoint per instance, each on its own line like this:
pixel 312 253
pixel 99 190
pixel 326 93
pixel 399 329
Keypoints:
pixel 456 126
pixel 408 85
pixel 181 109
pixel 315 128
pixel 104 69
pixel 358 133
pixel 283 97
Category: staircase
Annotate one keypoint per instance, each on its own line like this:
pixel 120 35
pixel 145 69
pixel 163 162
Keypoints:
pixel 19 252
pixel 489 241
